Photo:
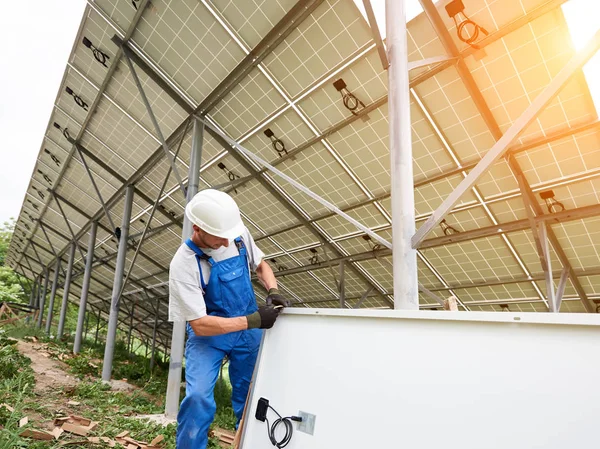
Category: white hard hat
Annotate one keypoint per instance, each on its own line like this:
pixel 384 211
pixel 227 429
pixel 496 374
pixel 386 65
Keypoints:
pixel 215 212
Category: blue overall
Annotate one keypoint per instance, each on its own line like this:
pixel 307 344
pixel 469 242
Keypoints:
pixel 228 293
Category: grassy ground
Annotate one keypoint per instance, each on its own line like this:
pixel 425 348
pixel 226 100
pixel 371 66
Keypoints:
pixel 112 409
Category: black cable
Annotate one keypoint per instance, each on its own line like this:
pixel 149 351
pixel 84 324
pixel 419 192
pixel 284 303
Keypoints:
pixel 463 33
pixel 289 429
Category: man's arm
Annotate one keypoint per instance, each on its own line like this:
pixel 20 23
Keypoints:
pixel 209 325
pixel 265 275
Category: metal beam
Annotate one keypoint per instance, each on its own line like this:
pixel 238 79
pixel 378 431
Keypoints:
pixel 65 299
pixel 87 169
pixel 84 214
pixel 178 335
pixel 85 288
pixel 501 146
pixel 124 181
pixel 404 256
pixel 432 295
pixel 74 238
pixel 562 284
pixel 52 295
pixel 376 34
pixel 543 232
pixel 342 285
pixel 114 306
pixel 149 219
pixel 127 52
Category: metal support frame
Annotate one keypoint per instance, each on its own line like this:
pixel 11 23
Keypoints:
pixel 562 284
pixel 52 295
pixel 543 235
pixel 47 238
pixel 87 325
pixel 376 34
pixel 66 289
pixel 114 306
pixel 161 137
pixel 131 317
pixel 244 162
pixel 432 295
pixel 364 296
pixel 292 19
pixel 73 236
pixel 154 327
pixel 490 121
pixel 32 293
pixel 342 285
pixel 97 328
pixel 404 256
pixel 501 146
pixel 89 172
pixel 178 335
pixel 429 61
pixel 85 288
pixel 149 219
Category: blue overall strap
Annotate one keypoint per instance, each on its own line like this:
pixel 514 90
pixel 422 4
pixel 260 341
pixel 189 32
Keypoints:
pixel 239 243
pixel 200 256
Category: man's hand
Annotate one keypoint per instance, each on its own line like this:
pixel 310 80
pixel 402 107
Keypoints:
pixel 276 299
pixel 263 318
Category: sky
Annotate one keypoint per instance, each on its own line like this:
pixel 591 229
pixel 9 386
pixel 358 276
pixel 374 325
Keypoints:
pixel 36 37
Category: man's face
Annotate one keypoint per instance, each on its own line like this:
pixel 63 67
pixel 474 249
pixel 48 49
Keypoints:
pixel 205 240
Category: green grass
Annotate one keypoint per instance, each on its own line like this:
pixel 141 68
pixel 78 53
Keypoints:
pixel 114 410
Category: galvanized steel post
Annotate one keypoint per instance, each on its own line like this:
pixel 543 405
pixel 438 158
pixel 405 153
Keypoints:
pixel 52 295
pixel 113 319
pixel 85 288
pixel 66 288
pixel 404 257
pixel 178 336
pixel 42 302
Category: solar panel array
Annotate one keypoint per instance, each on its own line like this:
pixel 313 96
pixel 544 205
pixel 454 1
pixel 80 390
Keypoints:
pixel 192 46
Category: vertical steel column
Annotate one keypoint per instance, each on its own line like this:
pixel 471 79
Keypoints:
pixel 113 319
pixel 129 344
pixel 33 297
pixel 178 336
pixel 404 257
pixel 87 325
pixel 32 293
pixel 342 285
pixel 543 233
pixel 97 327
pixel 154 335
pixel 52 295
pixel 85 287
pixel 43 299
pixel 66 288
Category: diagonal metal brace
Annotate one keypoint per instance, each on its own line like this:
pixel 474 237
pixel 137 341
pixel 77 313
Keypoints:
pixel 53 193
pixel 161 137
pixel 87 169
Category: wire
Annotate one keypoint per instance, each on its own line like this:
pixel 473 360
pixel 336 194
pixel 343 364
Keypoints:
pixel 463 32
pixel 289 429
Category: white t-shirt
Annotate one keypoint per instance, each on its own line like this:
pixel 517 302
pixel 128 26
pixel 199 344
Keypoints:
pixel 186 301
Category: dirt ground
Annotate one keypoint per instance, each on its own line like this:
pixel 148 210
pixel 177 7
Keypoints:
pixel 51 374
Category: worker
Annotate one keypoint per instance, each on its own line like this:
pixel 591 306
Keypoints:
pixel 210 289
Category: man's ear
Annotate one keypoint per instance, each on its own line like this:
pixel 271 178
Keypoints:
pixel 195 228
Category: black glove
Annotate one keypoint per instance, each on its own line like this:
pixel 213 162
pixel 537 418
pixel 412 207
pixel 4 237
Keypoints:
pixel 276 299
pixel 263 318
